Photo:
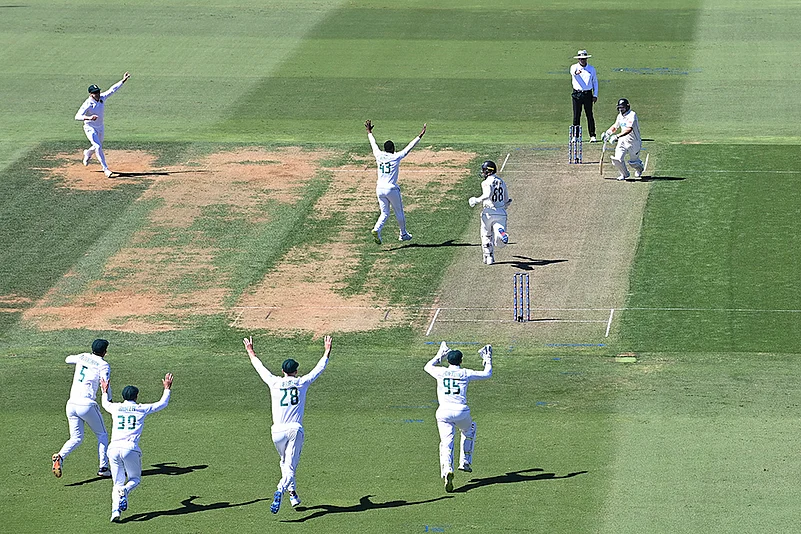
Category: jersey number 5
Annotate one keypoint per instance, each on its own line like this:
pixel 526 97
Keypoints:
pixel 121 422
pixel 452 386
pixel 83 373
pixel 292 393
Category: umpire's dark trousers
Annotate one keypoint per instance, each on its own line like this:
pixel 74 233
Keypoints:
pixel 583 98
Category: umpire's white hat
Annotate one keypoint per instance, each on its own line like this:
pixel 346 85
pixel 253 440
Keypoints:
pixel 582 54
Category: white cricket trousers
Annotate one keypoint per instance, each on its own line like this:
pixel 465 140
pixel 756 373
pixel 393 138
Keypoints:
pixel 448 419
pixel 77 415
pixel 618 160
pixel 125 463
pixel 288 442
pixel 387 198
pixel 95 136
pixel 491 226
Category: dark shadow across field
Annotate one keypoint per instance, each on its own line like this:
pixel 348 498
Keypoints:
pixel 512 477
pixel 188 507
pixel 448 243
pixel 164 468
pixel 364 504
pixel 525 263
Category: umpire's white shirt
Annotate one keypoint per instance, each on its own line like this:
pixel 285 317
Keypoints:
pixel 632 140
pixel 388 163
pixel 584 78
pixel 89 369
pixel 128 420
pixel 289 394
pixel 96 107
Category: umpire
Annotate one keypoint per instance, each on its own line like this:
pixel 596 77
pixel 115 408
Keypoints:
pixel 585 91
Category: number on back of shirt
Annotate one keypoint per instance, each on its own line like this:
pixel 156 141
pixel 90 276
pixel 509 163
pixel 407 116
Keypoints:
pixel 497 192
pixel 386 168
pixel 121 422
pixel 290 396
pixel 451 386
pixel 83 373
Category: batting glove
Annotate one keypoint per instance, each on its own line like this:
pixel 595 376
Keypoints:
pixel 473 201
pixel 613 139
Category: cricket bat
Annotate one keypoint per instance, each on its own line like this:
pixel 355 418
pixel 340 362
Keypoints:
pixel 603 154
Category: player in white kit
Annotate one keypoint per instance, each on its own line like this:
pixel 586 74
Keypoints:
pixel 494 199
pixel 628 140
pixel 128 420
pixel 386 187
pixel 453 411
pixel 288 394
pixel 82 407
pixel 91 113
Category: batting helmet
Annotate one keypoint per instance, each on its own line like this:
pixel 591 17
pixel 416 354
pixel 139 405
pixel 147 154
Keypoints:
pixel 623 105
pixel 488 168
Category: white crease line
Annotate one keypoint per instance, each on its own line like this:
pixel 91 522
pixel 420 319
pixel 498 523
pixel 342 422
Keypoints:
pixel 504 161
pixel 432 321
pixel 609 323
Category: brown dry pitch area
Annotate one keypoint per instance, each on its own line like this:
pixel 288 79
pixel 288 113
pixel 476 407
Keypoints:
pixel 139 288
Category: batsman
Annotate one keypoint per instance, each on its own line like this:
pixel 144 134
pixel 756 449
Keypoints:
pixel 628 140
pixel 495 199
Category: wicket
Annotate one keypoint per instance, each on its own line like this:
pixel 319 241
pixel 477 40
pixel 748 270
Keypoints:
pixel 574 142
pixel 521 286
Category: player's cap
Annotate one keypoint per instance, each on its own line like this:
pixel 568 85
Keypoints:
pixel 389 146
pixel 130 393
pixel 454 357
pixel 289 366
pixel 94 89
pixel 582 54
pixel 99 347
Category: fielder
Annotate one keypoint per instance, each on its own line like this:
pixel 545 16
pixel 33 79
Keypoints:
pixel 126 457
pixel 288 395
pixel 628 140
pixel 91 113
pixel 453 410
pixel 495 199
pixel 386 187
pixel 90 369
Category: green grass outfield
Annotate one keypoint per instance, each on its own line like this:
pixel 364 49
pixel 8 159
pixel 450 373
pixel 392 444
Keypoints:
pixel 699 435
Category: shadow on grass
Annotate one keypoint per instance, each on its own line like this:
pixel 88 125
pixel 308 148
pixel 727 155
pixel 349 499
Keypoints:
pixel 513 477
pixel 647 179
pixel 166 468
pixel 364 505
pixel 154 173
pixel 188 507
pixel 448 243
pixel 525 263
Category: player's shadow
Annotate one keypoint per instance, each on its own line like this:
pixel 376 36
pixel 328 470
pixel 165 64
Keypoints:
pixel 188 507
pixel 364 505
pixel 525 263
pixel 513 477
pixel 661 178
pixel 165 468
pixel 448 243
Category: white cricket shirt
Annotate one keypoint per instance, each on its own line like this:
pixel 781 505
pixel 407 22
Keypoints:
pixel 388 163
pixel 494 195
pixel 89 369
pixel 452 381
pixel 632 140
pixel 96 107
pixel 128 420
pixel 288 393
pixel 584 78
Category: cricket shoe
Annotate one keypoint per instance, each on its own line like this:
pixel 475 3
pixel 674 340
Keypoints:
pixel 376 237
pixel 467 468
pixel 504 237
pixel 593 139
pixel 123 500
pixel 621 178
pixel 448 482
pixel 115 516
pixel 57 461
pixel 276 505
pixel 108 173
pixel 86 157
pixel 405 237
pixel 294 499
pixel 489 259
pixel 104 472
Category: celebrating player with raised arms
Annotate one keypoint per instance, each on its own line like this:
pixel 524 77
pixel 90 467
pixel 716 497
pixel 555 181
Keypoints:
pixel 453 411
pixel 288 393
pixel 128 419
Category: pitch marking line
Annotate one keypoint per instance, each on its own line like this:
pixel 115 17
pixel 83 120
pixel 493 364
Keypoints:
pixel 609 322
pixel 504 161
pixel 432 321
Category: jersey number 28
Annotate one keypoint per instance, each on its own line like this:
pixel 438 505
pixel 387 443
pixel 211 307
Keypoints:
pixel 291 395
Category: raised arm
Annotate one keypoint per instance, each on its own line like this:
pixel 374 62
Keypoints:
pixel 113 89
pixel 413 142
pixel 265 375
pixel 486 356
pixel 430 367
pixel 320 367
pixel 165 397
pixel 368 125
